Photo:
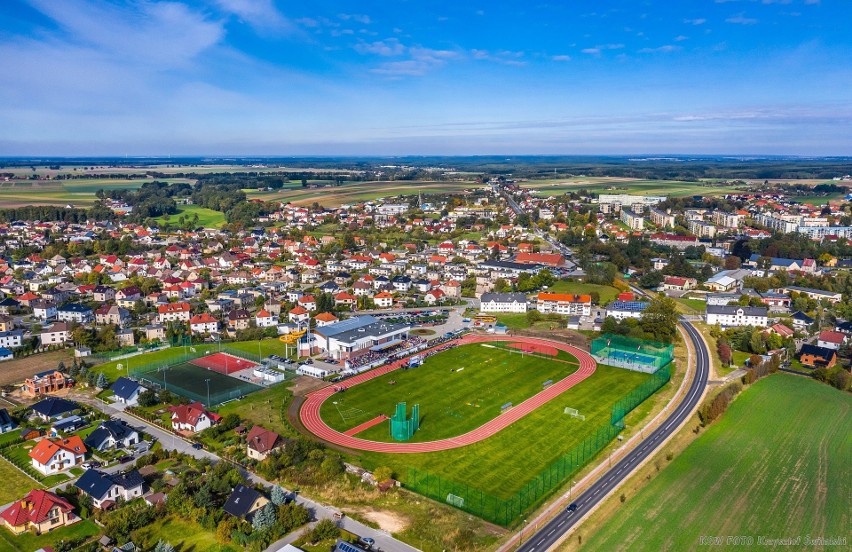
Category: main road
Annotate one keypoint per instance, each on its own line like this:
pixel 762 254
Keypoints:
pixel 553 530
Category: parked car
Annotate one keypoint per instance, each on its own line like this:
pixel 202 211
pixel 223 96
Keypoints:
pixel 124 459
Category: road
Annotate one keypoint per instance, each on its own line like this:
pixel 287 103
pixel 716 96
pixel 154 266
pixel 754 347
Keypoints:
pixel 318 511
pixel 549 534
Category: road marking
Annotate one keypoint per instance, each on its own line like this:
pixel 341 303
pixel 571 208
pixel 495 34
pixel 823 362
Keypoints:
pixel 561 523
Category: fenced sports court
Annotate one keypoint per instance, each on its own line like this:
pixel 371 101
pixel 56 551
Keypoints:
pixel 633 354
pixel 196 371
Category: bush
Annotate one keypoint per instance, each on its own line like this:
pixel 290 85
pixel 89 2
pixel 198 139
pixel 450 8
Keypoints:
pixel 324 530
pixel 713 408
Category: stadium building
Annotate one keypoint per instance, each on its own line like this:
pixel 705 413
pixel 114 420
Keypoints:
pixel 357 336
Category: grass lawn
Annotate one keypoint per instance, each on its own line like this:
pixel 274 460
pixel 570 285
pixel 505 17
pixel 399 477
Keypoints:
pixel 504 463
pixel 267 407
pixel 27 542
pixel 166 356
pixel 513 321
pixel 207 218
pixel 184 535
pixel 13 483
pixel 457 390
pixel 607 293
pixel 776 464
pixel 694 306
pixel 739 358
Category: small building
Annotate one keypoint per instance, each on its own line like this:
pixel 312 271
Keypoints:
pixel 817 357
pixel 39 511
pixel 626 309
pixel 244 501
pixel 53 408
pixel 51 457
pixel 192 417
pixel 7 424
pixel 6 354
pixel 58 333
pixel 830 339
pixel 112 434
pixel 45 383
pixel 126 391
pixel 260 442
pixel 801 321
pixel 106 488
pixel 503 302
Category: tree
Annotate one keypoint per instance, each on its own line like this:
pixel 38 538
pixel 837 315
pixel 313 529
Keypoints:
pixel 726 355
pixel 102 382
pixel 147 398
pixel 324 530
pixel 659 319
pixel 278 496
pixel 651 280
pixel 163 546
pixel 533 316
pixel 264 518
pixel 732 262
pixel 224 530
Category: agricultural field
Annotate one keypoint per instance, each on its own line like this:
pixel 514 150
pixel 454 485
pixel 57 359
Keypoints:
pixel 457 390
pixel 775 465
pixel 79 193
pixel 359 191
pixel 208 218
pixel 504 463
pixel 615 185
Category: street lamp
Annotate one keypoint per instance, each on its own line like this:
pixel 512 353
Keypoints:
pixel 571 488
pixel 522 533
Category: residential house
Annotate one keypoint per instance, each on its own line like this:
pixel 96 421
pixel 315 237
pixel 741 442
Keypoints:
pixel 817 357
pixel 298 314
pixel 174 312
pixel 155 332
pixel 112 314
pixel 112 434
pixel 626 309
pixel 43 310
pixel 264 319
pixel 801 321
pixel 106 488
pixel 677 283
pixel 103 294
pixel 383 300
pixel 244 501
pixel 204 323
pixel 58 333
pixel 44 383
pixel 6 422
pixel 39 511
pixel 308 302
pixel 324 319
pixel 53 408
pixel 51 457
pixel 830 339
pixel 564 303
pixel 126 391
pixel 260 442
pixel 239 319
pixel 12 339
pixel 192 417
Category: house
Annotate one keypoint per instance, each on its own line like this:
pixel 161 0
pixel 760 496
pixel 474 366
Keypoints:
pixel 239 319
pixel 830 340
pixel 260 442
pixel 728 316
pixel 244 501
pixel 781 330
pixel 204 323
pixel 103 294
pixel 6 354
pixel 324 319
pixel 264 319
pixel 626 309
pixel 57 334
pixel 308 302
pixel 817 357
pixel 43 310
pixel 173 312
pixel 53 408
pixel 801 321
pixel 192 417
pixel 383 300
pixel 434 296
pixel 676 283
pixel 106 488
pixel 74 312
pixel 503 302
pixel 155 332
pixel 6 422
pixel 67 425
pixel 126 337
pixel 44 383
pixel 564 303
pixel 112 434
pixel 12 339
pixel 727 280
pixel 298 314
pixel 39 511
pixel 50 457
pixel 111 314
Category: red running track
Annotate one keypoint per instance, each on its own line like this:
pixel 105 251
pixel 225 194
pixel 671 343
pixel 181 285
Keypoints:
pixel 310 411
pixel 366 425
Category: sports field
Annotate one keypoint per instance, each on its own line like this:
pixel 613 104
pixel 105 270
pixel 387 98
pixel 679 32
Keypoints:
pixel 207 218
pixel 776 465
pixel 502 464
pixel 458 390
pixel 189 380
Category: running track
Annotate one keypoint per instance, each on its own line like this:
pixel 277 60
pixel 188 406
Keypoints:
pixel 310 412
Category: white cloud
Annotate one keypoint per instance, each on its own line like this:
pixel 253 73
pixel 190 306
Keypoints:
pixel 681 38
pixel 665 49
pixel 601 47
pixel 389 47
pixel 698 21
pixel 561 58
pixel 741 19
pixel 260 14
pixel 505 57
pixel 360 18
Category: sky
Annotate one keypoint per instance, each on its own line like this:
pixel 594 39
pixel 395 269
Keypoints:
pixel 402 77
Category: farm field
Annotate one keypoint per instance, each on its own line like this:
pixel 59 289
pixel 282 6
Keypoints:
pixel 458 390
pixel 360 191
pixel 207 218
pixel 775 465
pixel 502 464
pixel 614 185
pixel 79 193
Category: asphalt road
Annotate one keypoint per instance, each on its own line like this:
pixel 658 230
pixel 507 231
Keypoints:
pixel 550 533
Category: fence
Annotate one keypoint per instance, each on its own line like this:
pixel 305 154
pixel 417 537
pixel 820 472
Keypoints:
pixel 505 511
pixel 634 354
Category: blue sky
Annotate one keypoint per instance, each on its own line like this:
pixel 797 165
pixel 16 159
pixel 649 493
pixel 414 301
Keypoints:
pixel 275 77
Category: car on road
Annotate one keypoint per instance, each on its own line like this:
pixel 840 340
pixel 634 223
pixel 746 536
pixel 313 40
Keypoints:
pixel 197 446
pixel 367 542
pixel 571 507
pixel 124 459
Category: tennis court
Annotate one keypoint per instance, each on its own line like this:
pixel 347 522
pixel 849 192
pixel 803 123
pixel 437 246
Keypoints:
pixel 191 381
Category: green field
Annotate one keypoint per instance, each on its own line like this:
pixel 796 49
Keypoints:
pixel 501 465
pixel 458 390
pixel 616 185
pixel 79 193
pixel 777 465
pixel 207 218
pixel 27 542
pixel 361 191
pixel 13 482
pixel 190 381
pixel 607 293
pixel 182 534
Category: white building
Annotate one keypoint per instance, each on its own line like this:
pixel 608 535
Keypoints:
pixel 626 309
pixel 503 302
pixel 728 316
pixel 564 303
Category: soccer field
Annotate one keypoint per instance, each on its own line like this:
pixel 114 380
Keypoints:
pixel 190 381
pixel 458 390
pixel 776 465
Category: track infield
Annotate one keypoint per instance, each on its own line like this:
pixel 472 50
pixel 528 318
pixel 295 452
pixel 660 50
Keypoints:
pixel 312 419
